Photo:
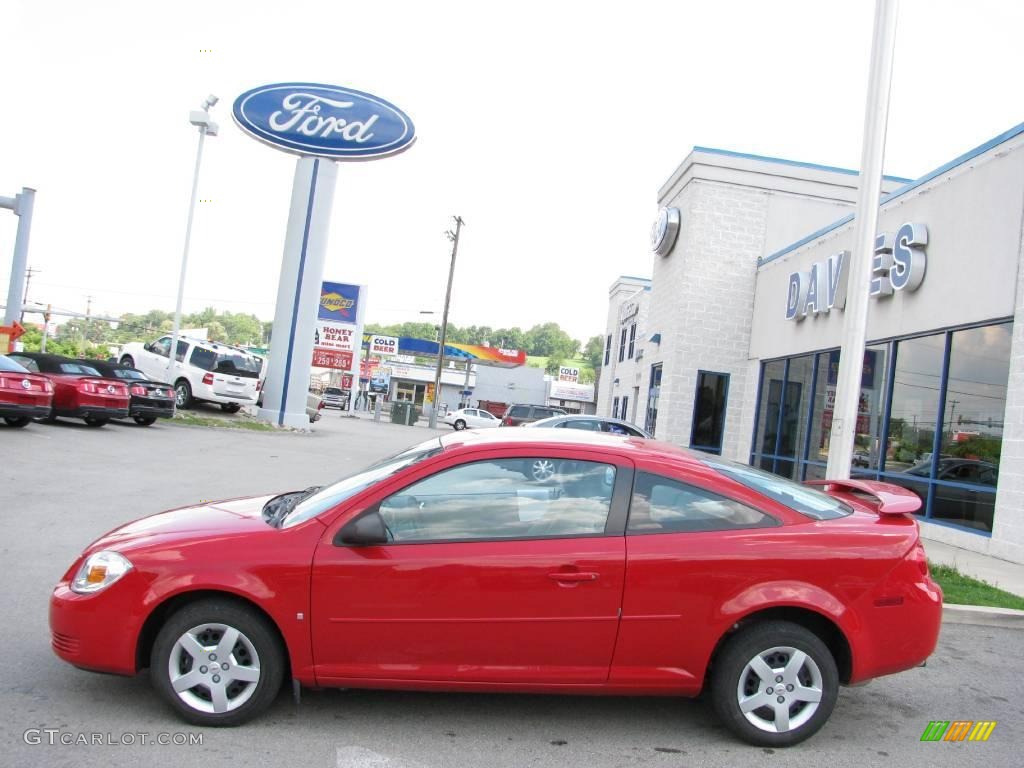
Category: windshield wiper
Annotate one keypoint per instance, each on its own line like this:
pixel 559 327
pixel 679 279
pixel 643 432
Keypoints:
pixel 278 508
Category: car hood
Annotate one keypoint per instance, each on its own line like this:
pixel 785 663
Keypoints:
pixel 210 520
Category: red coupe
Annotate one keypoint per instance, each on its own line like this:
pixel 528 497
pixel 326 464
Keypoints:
pixel 517 560
pixel 80 392
pixel 23 395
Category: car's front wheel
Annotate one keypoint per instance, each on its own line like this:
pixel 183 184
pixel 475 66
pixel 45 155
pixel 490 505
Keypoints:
pixel 19 421
pixel 460 424
pixel 774 684
pixel 128 361
pixel 95 421
pixel 144 421
pixel 217 663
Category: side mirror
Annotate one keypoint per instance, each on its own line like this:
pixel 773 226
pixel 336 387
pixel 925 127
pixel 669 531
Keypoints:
pixel 148 346
pixel 367 530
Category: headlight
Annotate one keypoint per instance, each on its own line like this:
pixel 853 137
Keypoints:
pixel 99 571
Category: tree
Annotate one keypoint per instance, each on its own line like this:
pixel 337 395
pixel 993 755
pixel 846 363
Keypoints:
pixel 554 363
pixel 549 339
pixel 593 352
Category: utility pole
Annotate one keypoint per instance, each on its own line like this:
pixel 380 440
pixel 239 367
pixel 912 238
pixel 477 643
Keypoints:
pixel 21 204
pixel 28 279
pixel 454 237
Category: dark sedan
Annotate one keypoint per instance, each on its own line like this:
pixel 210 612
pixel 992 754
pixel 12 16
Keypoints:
pixel 151 400
pixel 23 395
pixel 592 424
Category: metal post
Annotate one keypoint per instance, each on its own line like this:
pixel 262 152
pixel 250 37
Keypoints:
pixel 444 323
pixel 22 206
pixel 173 349
pixel 46 328
pixel 851 359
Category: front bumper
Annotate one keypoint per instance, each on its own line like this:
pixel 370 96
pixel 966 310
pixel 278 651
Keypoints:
pixel 96 632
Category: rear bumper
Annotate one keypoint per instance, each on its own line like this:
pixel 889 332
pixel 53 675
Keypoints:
pixel 20 411
pixel 92 412
pixel 148 409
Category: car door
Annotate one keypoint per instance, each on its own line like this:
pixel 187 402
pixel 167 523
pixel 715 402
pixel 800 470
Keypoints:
pixel 688 551
pixel 507 568
pixel 152 361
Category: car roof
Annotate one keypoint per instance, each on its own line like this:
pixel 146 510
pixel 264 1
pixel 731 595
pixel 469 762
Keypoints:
pixel 624 444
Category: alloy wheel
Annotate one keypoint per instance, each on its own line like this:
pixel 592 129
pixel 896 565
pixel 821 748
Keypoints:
pixel 780 689
pixel 214 668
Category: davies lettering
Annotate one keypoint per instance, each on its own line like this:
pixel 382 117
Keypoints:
pixel 898 263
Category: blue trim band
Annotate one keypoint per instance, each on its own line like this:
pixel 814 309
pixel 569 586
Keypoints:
pixel 795 163
pixel 298 292
pixel 965 157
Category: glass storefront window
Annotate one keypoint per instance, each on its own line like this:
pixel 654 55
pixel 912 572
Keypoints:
pixel 938 432
pixel 709 411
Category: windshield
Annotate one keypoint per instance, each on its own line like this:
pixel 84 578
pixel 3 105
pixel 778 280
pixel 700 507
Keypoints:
pixel 806 501
pixel 331 495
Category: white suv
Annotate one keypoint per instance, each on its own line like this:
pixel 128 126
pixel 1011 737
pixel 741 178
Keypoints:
pixel 203 370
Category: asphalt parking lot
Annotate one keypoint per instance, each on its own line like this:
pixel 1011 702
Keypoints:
pixel 63 485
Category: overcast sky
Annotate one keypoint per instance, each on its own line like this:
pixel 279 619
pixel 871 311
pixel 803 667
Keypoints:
pixel 547 126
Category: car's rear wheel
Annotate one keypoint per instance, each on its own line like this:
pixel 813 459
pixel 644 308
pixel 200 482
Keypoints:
pixel 128 361
pixel 774 684
pixel 217 663
pixel 17 422
pixel 182 393
pixel 95 421
pixel 144 421
pixel 230 407
pixel 460 424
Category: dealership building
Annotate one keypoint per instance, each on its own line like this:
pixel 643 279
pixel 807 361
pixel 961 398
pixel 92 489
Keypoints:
pixel 732 346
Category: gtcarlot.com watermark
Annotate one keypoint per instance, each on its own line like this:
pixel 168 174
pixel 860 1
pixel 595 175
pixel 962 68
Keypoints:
pixel 57 737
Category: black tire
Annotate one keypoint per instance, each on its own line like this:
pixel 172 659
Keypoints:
pixel 269 659
pixel 94 421
pixel 17 422
pixel 182 394
pixel 460 424
pixel 144 421
pixel 730 671
pixel 128 361
pixel 230 407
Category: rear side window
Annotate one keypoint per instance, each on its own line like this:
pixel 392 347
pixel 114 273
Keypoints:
pixel 203 358
pixel 519 412
pixel 543 413
pixel 28 363
pixel 807 501
pixel 663 505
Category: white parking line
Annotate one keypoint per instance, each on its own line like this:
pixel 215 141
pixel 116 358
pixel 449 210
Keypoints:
pixel 361 757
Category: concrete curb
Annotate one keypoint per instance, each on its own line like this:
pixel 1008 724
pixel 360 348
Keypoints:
pixel 1006 618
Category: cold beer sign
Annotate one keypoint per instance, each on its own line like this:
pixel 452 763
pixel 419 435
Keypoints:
pixel 898 264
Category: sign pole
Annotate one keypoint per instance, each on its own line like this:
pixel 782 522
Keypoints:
pixel 302 269
pixel 851 358
pixel 22 205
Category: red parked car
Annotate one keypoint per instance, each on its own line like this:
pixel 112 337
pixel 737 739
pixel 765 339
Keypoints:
pixel 23 395
pixel 79 391
pixel 555 561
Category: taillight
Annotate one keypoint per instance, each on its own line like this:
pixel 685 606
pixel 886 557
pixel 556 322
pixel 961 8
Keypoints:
pixel 139 390
pixel 208 378
pixel 917 555
pixel 87 387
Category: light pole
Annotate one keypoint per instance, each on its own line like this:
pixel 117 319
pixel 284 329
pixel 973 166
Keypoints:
pixel 454 237
pixel 201 119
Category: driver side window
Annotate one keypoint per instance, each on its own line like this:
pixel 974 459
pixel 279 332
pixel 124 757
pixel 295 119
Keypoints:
pixel 160 346
pixel 503 499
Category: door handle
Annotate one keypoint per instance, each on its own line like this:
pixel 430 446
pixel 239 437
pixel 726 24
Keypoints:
pixel 573 577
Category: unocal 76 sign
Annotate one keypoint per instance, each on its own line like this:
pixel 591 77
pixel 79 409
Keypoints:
pixel 898 264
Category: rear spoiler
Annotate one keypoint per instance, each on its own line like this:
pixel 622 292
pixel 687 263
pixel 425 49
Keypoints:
pixel 892 499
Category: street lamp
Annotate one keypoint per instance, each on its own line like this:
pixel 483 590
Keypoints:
pixel 200 118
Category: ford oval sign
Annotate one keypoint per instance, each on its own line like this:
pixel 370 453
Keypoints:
pixel 324 121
